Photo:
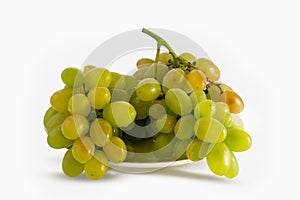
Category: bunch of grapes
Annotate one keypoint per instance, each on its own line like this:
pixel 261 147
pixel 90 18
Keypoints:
pixel 171 108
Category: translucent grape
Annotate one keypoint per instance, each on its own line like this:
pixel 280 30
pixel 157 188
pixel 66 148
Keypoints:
pixel 72 77
pixel 83 149
pixel 180 148
pixel 198 149
pixel 234 167
pixel 156 71
pixel 117 81
pixel 197 96
pixel 165 123
pixel 157 109
pixel 222 114
pixel 219 159
pixel 141 107
pixel 148 89
pixel 139 74
pixel 144 62
pixel 211 71
pixel 187 56
pixel 97 77
pixel 196 80
pixel 74 126
pixel 165 58
pixel 115 150
pixel 56 139
pixel 97 166
pixel 79 104
pixel 99 97
pixel 238 140
pixel 59 100
pixel 119 95
pixel 206 108
pixel 55 120
pixel 184 128
pixel 213 92
pixel 48 114
pixel 130 83
pixel 178 101
pixel 100 132
pixel 70 166
pixel 210 130
pixel 163 146
pixel 88 68
pixel 175 78
pixel 233 100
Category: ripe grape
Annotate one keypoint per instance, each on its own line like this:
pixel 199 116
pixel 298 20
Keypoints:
pixel 184 128
pixel 211 71
pixel 117 81
pixel 72 77
pixel 55 120
pixel 115 150
pixel 163 146
pixel 59 100
pixel 118 95
pixel 187 56
pixel 178 101
pixel 141 107
pixel 56 139
pixel 99 97
pixel 83 149
pixel 130 83
pixel 157 109
pixel 233 100
pixel 219 159
pixel 222 114
pixel 144 62
pixel 238 140
pixel 74 126
pixel 234 167
pixel 213 92
pixel 100 132
pixel 97 166
pixel 148 89
pixel 175 78
pixel 197 149
pixel 139 74
pixel 88 68
pixel 48 114
pixel 197 96
pixel 156 71
pixel 165 58
pixel 206 108
pixel 97 77
pixel 165 123
pixel 196 79
pixel 70 166
pixel 79 104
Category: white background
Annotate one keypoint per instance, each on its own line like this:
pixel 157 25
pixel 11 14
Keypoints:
pixel 255 44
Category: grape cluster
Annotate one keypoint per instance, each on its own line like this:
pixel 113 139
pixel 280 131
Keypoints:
pixel 171 108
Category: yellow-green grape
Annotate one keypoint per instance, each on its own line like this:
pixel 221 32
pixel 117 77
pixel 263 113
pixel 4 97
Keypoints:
pixel 148 89
pixel 97 77
pixel 48 114
pixel 178 101
pixel 99 97
pixel 74 126
pixel 184 128
pixel 88 68
pixel 234 167
pixel 115 150
pixel 219 159
pixel 130 82
pixel 59 100
pixel 206 108
pixel 238 140
pixel 70 166
pixel 56 139
pixel 211 71
pixel 97 166
pixel 119 95
pixel 197 96
pixel 210 130
pixel 139 74
pixel 175 78
pixel 78 90
pixel 141 107
pixel 72 77
pixel 55 120
pixel 83 149
pixel 100 132
pixel 117 80
pixel 119 113
pixel 157 109
pixel 188 57
pixel 198 149
pixel 213 93
pixel 156 71
pixel 180 148
pixel 165 123
pixel 79 104
pixel 163 146
pixel 165 58
pixel 144 62
pixel 222 114
pixel 117 132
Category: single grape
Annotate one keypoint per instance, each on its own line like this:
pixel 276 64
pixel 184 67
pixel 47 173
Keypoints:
pixel 184 128
pixel 56 139
pixel 88 68
pixel 117 132
pixel 130 83
pixel 70 166
pixel 141 107
pixel 165 58
pixel 188 57
pixel 83 149
pixel 233 100
pixel 115 150
pixel 197 96
pixel 156 71
pixel 178 101
pixel 48 114
pixel 219 159
pixel 210 130
pixel 234 167
pixel 238 140
pixel 119 113
pixel 97 77
pixel 139 74
pixel 74 126
pixel 79 104
pixel 196 79
pixel 59 100
pixel 117 81
pixel 175 78
pixel 223 87
pixel 157 109
pixel 99 97
pixel 163 146
pixel 213 92
pixel 222 114
pixel 72 77
pixel 55 120
pixel 180 148
pixel 148 89
pixel 206 108
pixel 211 71
pixel 165 123
pixel 97 166
pixel 144 62
pixel 100 132
pixel 197 150
pixel 119 95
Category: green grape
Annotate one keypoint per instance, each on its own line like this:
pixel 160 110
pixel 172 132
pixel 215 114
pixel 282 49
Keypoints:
pixel 83 149
pixel 238 140
pixel 184 128
pixel 175 78
pixel 144 62
pixel 165 123
pixel 117 132
pixel 213 92
pixel 211 71
pixel 70 166
pixel 88 68
pixel 219 159
pixel 180 148
pixel 119 113
pixel 97 166
pixel 156 71
pixel 210 130
pixel 163 146
pixel 119 95
pixel 141 107
pixel 222 114
pixel 59 100
pixel 130 82
pixel 74 126
pixel 139 74
pixel 99 97
pixel 78 90
pixel 234 167
pixel 197 96
pixel 178 101
pixel 117 80
pixel 55 120
pixel 97 77
pixel 100 132
pixel 148 89
pixel 115 150
pixel 188 57
pixel 206 108
pixel 197 150
pixel 49 113
pixel 79 104
pixel 157 109
pixel 56 139
pixel 165 58
pixel 72 77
